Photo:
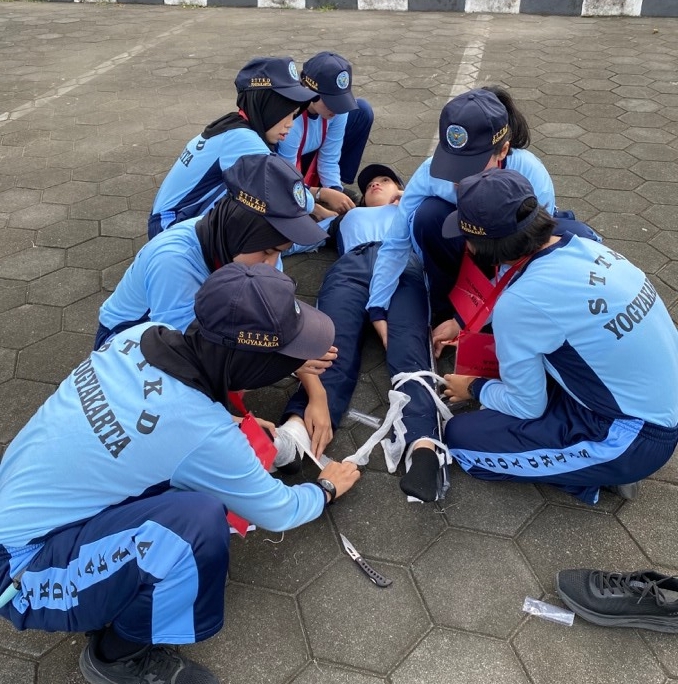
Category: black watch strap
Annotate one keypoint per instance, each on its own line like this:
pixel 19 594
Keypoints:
pixel 327 487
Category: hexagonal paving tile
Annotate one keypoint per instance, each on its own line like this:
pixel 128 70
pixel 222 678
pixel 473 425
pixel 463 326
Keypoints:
pixel 38 216
pixel 458 658
pixel 330 674
pixel 458 577
pixel 395 530
pixel 25 398
pixel 355 637
pixel 129 224
pixel 650 520
pixel 31 263
pixel 17 671
pixel 14 240
pixel 585 653
pixel 568 538
pixel 494 507
pixel 63 287
pixel 262 640
pixel 52 359
pixel 67 233
pixel 99 253
pixel 82 316
pixel 99 207
pixel 287 562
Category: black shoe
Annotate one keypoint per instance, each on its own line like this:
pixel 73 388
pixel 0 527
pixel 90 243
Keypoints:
pixel 157 664
pixel 626 491
pixel 421 480
pixel 643 599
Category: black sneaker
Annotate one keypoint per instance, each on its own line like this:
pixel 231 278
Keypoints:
pixel 157 664
pixel 643 599
pixel 626 491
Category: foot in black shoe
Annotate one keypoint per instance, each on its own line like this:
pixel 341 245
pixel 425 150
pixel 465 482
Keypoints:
pixel 421 480
pixel 157 664
pixel 628 491
pixel 643 599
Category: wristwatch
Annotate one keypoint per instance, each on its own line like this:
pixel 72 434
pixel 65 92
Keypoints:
pixel 328 487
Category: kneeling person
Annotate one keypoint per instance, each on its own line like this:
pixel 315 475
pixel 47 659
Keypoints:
pixel 588 355
pixel 116 490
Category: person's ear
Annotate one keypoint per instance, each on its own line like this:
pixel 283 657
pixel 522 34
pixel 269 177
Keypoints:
pixel 504 151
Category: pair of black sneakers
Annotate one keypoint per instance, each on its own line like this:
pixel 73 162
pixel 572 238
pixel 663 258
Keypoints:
pixel 644 599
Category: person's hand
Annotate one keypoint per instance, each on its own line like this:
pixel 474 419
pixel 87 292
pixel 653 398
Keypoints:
pixel 265 424
pixel 318 425
pixel 444 334
pixel 382 330
pixel 342 475
pixel 319 366
pixel 336 200
pixel 396 198
pixel 319 212
pixel 457 386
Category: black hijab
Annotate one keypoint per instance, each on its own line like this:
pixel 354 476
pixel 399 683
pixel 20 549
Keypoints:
pixel 211 368
pixel 228 229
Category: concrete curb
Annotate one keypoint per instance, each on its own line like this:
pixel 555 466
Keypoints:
pixel 569 8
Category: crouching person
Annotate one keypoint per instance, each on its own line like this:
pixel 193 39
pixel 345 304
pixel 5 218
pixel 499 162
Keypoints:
pixel 113 496
pixel 588 355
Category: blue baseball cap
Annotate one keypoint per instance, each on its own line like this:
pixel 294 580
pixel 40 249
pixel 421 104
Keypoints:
pixel 330 76
pixel 271 187
pixel 277 73
pixel 255 308
pixel 488 204
pixel 470 126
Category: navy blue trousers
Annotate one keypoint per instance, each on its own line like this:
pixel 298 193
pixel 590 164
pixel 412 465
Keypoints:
pixel 569 447
pixel 442 256
pixel 154 568
pixel 343 296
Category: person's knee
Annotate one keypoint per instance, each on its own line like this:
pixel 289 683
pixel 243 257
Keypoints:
pixel 365 113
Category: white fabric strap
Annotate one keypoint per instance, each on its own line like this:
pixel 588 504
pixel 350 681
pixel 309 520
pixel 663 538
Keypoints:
pixel 395 447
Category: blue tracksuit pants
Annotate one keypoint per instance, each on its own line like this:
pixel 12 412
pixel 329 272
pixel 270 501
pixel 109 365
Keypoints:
pixel 343 297
pixel 570 447
pixel 155 568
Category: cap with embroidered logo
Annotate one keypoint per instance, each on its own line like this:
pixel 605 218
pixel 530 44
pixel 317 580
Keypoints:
pixel 470 126
pixel 331 77
pixel 277 73
pixel 488 205
pixel 271 187
pixel 255 308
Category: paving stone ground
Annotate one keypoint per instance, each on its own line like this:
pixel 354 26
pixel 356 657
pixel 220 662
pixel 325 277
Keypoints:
pixel 99 101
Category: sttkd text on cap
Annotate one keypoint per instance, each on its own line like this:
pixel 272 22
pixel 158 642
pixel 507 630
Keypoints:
pixel 254 308
pixel 268 185
pixel 277 73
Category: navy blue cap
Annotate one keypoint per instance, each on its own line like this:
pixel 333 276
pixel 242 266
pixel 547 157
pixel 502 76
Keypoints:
pixel 277 73
pixel 271 187
pixel 371 171
pixel 255 308
pixel 488 204
pixel 331 76
pixel 470 126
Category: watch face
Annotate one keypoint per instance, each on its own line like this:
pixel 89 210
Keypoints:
pixel 328 486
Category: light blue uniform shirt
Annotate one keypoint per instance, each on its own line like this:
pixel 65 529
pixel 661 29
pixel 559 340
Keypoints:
pixel 329 152
pixel 592 320
pixel 395 251
pixel 117 427
pixel 163 280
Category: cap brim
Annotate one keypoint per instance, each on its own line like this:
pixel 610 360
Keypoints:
pixel 339 104
pixel 296 93
pixel 371 171
pixel 302 230
pixel 315 338
pixel 456 167
pixel 451 227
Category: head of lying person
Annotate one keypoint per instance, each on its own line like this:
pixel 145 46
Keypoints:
pixel 380 185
